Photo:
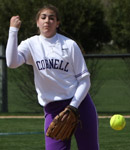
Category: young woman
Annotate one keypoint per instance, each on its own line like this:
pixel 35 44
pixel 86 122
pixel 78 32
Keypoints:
pixel 60 74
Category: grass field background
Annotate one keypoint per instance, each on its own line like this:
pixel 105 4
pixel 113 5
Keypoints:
pixel 109 139
pixel 113 95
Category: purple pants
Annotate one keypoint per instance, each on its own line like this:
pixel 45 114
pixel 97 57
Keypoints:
pixel 86 135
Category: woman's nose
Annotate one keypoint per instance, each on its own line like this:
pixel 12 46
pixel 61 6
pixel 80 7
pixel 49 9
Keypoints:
pixel 47 19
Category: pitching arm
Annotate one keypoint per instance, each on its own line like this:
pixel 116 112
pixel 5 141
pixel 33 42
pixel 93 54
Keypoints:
pixel 13 58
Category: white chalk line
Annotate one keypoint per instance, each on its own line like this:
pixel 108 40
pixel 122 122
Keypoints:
pixel 42 117
pixel 22 117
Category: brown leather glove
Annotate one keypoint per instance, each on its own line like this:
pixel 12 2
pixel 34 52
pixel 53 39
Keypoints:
pixel 64 124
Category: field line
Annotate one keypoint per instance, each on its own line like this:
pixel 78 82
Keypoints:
pixel 42 117
pixel 21 117
pixel 103 117
pixel 20 133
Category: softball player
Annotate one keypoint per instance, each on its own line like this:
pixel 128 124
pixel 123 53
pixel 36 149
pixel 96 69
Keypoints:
pixel 60 74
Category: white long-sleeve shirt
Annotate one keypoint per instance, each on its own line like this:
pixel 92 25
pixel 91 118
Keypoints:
pixel 60 71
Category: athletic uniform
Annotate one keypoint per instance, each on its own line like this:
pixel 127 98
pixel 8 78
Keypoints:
pixel 61 78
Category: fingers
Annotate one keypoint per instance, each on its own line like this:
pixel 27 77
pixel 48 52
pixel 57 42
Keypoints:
pixel 15 22
pixel 64 116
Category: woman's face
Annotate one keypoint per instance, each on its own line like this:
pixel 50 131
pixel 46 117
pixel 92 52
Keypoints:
pixel 47 23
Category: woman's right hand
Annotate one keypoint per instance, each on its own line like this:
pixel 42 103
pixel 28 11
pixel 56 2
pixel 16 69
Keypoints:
pixel 15 22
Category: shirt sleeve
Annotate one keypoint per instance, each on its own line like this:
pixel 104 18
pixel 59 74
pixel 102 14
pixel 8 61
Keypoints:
pixel 82 75
pixel 13 58
pixel 79 64
pixel 16 55
pixel 81 92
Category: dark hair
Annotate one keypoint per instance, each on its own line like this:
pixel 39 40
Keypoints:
pixel 51 7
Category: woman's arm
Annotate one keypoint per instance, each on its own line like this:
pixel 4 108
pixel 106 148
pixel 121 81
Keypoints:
pixel 13 58
pixel 81 92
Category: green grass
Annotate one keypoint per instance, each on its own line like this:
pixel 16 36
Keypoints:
pixel 112 81
pixel 21 142
pixel 109 139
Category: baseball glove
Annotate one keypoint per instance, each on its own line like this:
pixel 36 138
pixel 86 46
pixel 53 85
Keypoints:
pixel 64 124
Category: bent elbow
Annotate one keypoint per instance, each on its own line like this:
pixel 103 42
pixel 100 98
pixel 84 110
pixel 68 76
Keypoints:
pixel 11 65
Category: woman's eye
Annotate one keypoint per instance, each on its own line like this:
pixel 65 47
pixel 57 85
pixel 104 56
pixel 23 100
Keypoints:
pixel 51 18
pixel 43 17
